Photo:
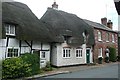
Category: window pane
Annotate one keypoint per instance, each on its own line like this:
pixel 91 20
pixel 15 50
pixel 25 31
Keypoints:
pixel 12 29
pixel 7 29
pixel 43 55
pixel 10 52
pixel 63 52
pixel 15 52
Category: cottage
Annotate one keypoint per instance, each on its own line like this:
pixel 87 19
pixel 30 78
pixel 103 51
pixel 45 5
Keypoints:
pixel 22 32
pixel 73 38
pixel 105 37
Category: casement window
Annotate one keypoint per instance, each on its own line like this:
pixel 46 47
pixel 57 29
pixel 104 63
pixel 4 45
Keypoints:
pixel 99 36
pixel 107 37
pixel 66 52
pixel 43 54
pixel 78 53
pixel 12 52
pixel 100 52
pixel 113 38
pixel 10 29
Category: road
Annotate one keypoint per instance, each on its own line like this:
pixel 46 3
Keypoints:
pixel 107 71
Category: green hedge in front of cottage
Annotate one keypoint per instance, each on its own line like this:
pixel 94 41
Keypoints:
pixel 34 60
pixel 23 66
pixel 112 55
pixel 15 68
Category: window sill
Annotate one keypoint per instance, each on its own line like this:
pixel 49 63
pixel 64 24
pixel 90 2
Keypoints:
pixel 78 57
pixel 100 40
pixel 107 41
pixel 66 57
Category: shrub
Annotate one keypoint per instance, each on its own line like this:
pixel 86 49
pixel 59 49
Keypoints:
pixel 112 54
pixel 100 60
pixel 15 68
pixel 34 60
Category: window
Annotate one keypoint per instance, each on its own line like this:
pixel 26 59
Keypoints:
pixel 66 52
pixel 99 36
pixel 10 29
pixel 12 52
pixel 79 53
pixel 42 54
pixel 113 38
pixel 100 52
pixel 107 37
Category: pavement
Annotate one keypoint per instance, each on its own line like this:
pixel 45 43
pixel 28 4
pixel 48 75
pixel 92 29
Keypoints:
pixel 70 69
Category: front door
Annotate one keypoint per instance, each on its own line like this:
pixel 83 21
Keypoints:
pixel 88 56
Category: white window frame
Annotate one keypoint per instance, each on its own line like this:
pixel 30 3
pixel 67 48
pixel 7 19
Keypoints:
pixel 11 29
pixel 66 53
pixel 79 53
pixel 12 52
pixel 99 36
pixel 107 37
pixel 100 51
pixel 113 38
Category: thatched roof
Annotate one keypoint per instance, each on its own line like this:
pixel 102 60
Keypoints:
pixel 117 5
pixel 66 24
pixel 0 20
pixel 27 24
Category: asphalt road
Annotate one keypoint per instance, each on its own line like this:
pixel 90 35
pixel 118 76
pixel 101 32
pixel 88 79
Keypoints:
pixel 107 71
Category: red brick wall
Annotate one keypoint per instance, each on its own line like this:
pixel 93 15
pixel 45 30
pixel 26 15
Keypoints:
pixel 103 44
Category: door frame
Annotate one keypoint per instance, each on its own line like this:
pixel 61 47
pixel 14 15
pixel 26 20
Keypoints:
pixel 89 55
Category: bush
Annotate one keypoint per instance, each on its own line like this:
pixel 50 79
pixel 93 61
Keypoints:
pixel 34 60
pixel 112 54
pixel 15 68
pixel 100 60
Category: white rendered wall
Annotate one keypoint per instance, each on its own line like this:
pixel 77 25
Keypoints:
pixel 58 59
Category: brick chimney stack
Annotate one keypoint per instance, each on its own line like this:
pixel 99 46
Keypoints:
pixel 104 21
pixel 54 5
pixel 109 24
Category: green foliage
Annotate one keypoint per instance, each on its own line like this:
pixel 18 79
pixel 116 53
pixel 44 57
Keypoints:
pixel 112 54
pixel 15 68
pixel 26 65
pixel 34 60
pixel 100 60
pixel 48 67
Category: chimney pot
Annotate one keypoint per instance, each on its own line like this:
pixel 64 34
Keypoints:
pixel 109 24
pixel 104 21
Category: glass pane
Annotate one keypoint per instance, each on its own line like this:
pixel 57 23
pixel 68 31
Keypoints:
pixel 15 52
pixel 10 52
pixel 12 29
pixel 7 29
pixel 43 54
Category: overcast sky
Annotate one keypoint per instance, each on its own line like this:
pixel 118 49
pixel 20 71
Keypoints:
pixel 92 10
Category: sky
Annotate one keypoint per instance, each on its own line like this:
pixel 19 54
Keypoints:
pixel 92 10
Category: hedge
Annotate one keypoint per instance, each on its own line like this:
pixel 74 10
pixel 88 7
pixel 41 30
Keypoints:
pixel 112 55
pixel 23 66
pixel 15 68
pixel 34 60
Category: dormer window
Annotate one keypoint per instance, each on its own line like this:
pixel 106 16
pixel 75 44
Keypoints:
pixel 10 29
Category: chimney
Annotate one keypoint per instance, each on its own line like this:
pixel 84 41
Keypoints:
pixel 109 24
pixel 54 5
pixel 104 21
